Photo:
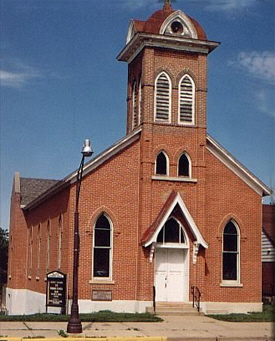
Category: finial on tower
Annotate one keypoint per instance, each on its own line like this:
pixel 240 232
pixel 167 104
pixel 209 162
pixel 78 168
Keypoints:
pixel 167 4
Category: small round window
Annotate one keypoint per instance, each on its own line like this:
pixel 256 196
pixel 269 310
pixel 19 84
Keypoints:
pixel 177 27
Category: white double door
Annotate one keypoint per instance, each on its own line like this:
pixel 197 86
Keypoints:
pixel 171 275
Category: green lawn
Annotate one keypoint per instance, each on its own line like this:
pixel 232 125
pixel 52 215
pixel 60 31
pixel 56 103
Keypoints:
pixel 267 315
pixel 101 316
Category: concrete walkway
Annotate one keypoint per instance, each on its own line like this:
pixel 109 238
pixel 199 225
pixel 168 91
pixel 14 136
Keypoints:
pixel 172 328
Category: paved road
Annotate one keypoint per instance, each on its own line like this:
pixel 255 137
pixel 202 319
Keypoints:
pixel 184 328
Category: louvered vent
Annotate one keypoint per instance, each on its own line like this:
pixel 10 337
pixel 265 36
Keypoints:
pixel 186 100
pixel 135 113
pixel 162 98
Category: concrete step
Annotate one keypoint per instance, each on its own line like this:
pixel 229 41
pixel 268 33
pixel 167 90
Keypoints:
pixel 173 309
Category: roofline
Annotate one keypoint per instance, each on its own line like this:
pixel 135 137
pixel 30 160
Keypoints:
pixel 88 167
pixel 192 225
pixel 142 40
pixel 235 166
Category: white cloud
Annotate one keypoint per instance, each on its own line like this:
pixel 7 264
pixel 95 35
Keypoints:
pixel 257 64
pixel 229 5
pixel 139 4
pixel 17 74
pixel 265 101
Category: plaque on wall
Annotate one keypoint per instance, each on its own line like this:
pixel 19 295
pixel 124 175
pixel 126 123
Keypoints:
pixel 102 295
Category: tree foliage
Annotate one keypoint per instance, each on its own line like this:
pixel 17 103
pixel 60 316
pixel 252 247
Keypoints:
pixel 4 245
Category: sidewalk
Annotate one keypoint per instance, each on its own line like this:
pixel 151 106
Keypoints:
pixel 173 328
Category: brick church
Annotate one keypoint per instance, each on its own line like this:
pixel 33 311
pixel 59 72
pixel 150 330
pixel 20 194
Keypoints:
pixel 165 212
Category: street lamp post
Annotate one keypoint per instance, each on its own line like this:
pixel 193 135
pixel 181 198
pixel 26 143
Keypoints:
pixel 74 324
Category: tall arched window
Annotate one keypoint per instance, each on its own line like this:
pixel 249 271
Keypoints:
pixel 139 102
pixel 231 252
pixel 186 100
pixel 135 109
pixel 38 249
pixel 184 166
pixel 102 260
pixel 48 246
pixel 30 251
pixel 60 225
pixel 162 98
pixel 162 164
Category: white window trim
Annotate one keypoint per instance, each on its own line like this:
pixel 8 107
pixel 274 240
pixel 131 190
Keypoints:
pixel 192 123
pixel 110 278
pixel 237 282
pixel 167 165
pixel 155 99
pixel 183 18
pixel 172 178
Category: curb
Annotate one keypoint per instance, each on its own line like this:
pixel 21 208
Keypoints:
pixel 84 338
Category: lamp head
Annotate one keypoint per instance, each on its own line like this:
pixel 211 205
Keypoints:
pixel 87 150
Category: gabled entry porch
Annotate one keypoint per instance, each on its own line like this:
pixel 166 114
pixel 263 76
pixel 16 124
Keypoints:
pixel 174 240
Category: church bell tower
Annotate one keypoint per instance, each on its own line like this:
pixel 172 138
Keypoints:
pixel 166 58
pixel 166 101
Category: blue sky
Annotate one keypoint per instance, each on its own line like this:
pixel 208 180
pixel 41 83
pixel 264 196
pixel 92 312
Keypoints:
pixel 61 82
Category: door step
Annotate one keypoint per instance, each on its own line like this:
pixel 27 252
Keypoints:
pixel 173 309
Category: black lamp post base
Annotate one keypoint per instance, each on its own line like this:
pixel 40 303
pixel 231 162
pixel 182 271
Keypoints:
pixel 74 327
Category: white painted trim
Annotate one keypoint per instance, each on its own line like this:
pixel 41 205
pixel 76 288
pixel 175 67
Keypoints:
pixel 110 278
pixel 193 101
pixel 193 227
pixel 183 18
pixel 131 31
pixel 171 178
pixel 142 40
pixel 237 282
pixel 155 98
pixel 88 167
pixel 236 167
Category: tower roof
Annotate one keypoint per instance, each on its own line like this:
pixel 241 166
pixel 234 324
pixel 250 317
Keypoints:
pixel 166 28
pixel 158 23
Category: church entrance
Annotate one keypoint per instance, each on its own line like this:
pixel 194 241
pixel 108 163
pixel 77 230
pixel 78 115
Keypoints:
pixel 172 264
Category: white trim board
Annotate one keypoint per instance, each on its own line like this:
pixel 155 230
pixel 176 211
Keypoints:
pixel 236 167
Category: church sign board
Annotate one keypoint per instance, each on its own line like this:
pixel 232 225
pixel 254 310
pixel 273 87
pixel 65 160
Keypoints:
pixel 56 289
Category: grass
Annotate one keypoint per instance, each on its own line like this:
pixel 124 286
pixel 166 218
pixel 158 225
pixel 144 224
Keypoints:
pixel 101 316
pixel 267 315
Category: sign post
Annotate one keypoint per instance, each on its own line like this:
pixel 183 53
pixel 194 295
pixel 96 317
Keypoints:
pixel 56 290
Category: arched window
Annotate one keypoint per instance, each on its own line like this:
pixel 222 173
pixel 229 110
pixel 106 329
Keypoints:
pixel 162 98
pixel 231 252
pixel 135 109
pixel 171 233
pixel 48 246
pixel 102 259
pixel 186 100
pixel 139 102
pixel 30 251
pixel 38 249
pixel 60 228
pixel 161 164
pixel 184 166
